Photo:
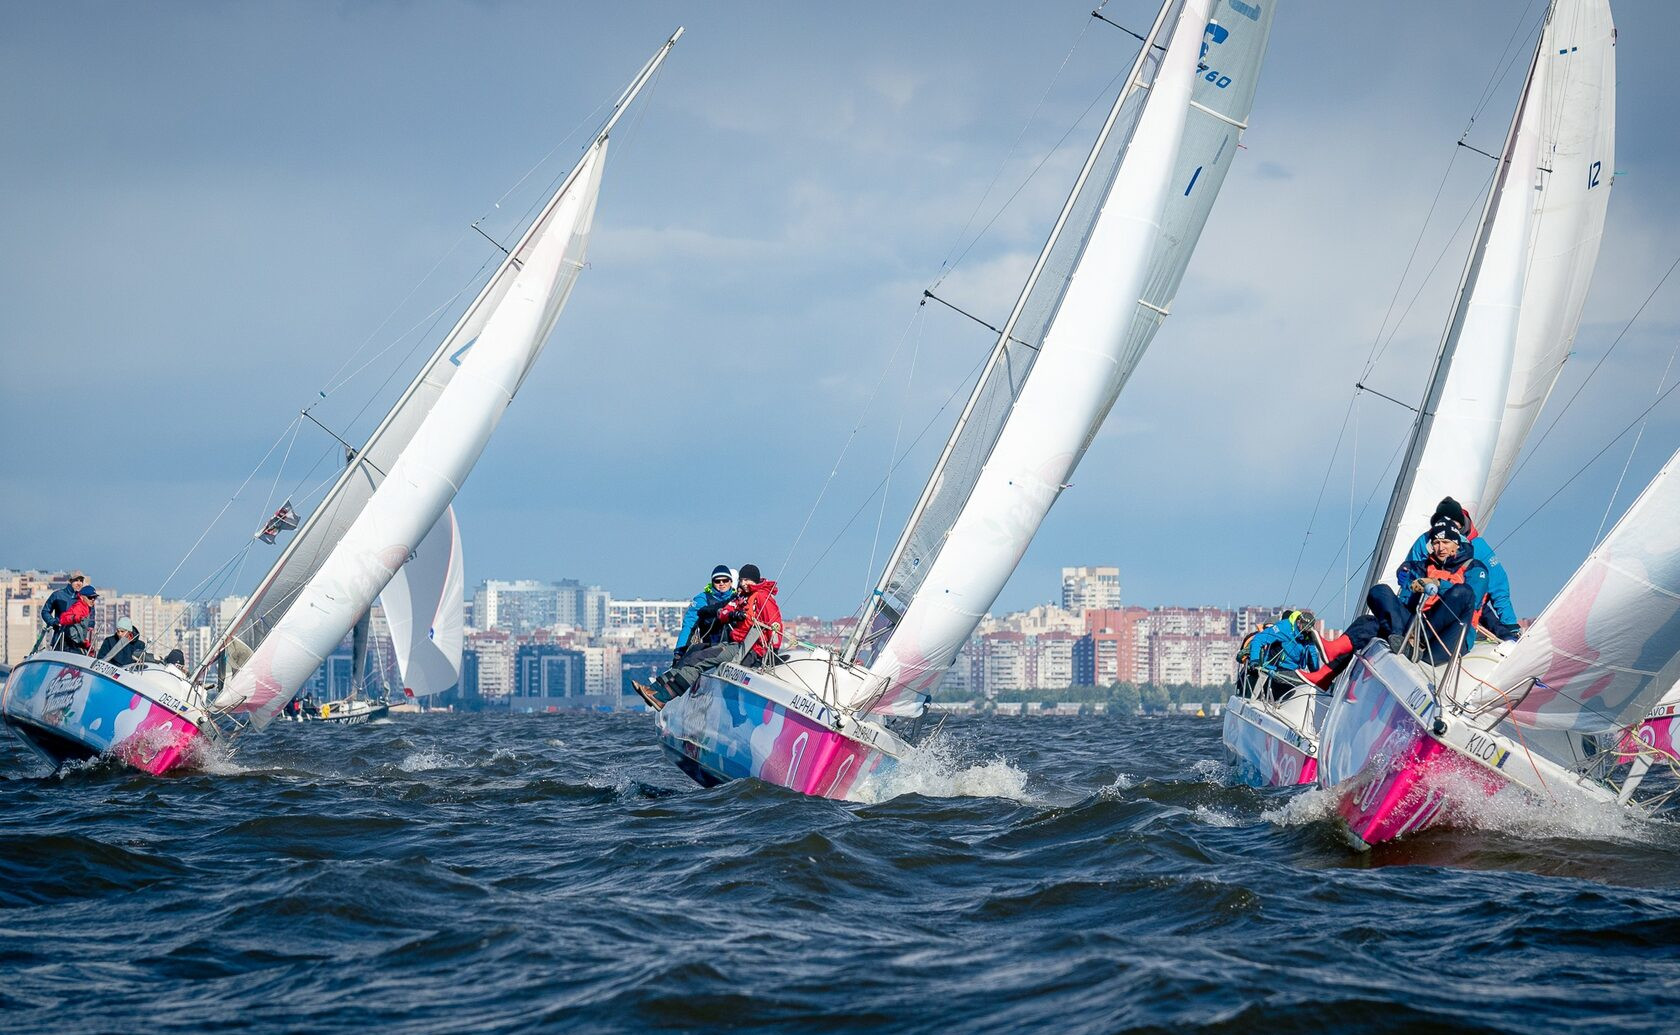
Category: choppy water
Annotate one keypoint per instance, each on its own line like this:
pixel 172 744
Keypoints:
pixel 487 874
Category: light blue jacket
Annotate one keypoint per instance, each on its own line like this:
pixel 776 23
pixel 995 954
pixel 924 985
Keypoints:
pixel 1293 653
pixel 707 597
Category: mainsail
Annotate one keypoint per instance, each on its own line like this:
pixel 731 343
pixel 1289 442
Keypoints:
pixel 424 604
pixel 1520 298
pixel 1607 648
pixel 399 483
pixel 1101 288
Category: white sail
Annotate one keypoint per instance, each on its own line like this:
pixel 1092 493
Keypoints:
pixel 442 451
pixel 1098 294
pixel 1607 648
pixel 1573 195
pixel 1523 287
pixel 424 606
pixel 398 484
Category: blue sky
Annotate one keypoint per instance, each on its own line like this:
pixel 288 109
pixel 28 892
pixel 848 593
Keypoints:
pixel 209 207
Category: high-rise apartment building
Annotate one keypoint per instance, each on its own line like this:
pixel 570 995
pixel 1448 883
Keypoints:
pixel 1085 589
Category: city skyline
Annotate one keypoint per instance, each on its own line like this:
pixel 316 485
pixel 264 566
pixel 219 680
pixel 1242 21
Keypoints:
pixel 770 222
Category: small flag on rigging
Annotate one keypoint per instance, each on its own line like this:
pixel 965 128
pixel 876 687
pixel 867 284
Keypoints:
pixel 284 520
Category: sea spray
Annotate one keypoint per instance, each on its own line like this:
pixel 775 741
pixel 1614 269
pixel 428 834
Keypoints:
pixel 939 767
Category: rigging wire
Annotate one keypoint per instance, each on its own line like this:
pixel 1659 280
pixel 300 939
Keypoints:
pixel 847 445
pixel 1611 504
pixel 1594 459
pixel 973 373
pixel 949 264
pixel 1586 380
pixel 230 500
pixel 898 432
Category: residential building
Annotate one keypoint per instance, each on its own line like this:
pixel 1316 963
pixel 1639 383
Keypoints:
pixel 1086 589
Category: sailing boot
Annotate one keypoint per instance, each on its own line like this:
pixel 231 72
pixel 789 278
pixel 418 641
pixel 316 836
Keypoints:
pixel 652 696
pixel 1336 655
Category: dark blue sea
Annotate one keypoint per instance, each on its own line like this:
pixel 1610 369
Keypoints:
pixel 458 873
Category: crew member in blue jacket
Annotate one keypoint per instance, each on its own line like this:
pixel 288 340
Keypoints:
pixel 1498 617
pixel 1448 587
pixel 1284 648
pixel 719 591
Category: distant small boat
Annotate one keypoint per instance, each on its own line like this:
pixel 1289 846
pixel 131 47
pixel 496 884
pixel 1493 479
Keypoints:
pixel 394 489
pixel 347 712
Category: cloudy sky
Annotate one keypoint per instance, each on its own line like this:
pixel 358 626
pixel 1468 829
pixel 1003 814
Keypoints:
pixel 214 212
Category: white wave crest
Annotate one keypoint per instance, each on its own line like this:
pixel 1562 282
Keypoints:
pixel 937 768
pixel 421 761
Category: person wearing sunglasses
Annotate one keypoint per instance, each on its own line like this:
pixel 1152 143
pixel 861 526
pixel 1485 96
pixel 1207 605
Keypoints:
pixel 699 626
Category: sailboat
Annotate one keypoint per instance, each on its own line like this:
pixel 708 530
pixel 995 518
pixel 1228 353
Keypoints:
pixel 1514 322
pixel 395 488
pixel 816 719
pixel 425 605
pixel 1401 740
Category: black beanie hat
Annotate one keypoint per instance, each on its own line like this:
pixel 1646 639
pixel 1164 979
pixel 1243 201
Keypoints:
pixel 1443 526
pixel 750 571
pixel 1452 510
pixel 722 569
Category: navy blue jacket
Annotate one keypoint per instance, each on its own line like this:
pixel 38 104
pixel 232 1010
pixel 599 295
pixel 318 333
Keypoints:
pixel 1498 583
pixel 1475 579
pixel 57 604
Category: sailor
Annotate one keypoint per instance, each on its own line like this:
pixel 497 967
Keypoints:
pixel 58 603
pixel 719 591
pixel 754 626
pixel 123 647
pixel 753 617
pixel 176 659
pixel 74 629
pixel 1447 588
pixel 1497 615
pixel 1280 650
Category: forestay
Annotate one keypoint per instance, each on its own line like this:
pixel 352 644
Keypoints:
pixel 424 605
pixel 1520 298
pixel 1102 286
pixel 1607 648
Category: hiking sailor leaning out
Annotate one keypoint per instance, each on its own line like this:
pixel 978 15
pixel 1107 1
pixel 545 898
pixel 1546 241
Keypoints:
pixel 700 627
pixel 751 625
pixel 1280 651
pixel 1497 615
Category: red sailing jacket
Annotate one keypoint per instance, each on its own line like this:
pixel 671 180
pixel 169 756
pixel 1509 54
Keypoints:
pixel 758 604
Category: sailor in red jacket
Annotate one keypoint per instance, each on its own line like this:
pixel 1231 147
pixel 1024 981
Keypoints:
pixel 74 631
pixel 754 609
